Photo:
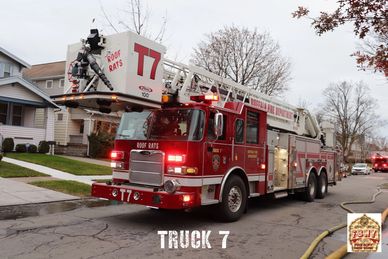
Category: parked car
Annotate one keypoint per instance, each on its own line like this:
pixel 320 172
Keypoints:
pixel 361 168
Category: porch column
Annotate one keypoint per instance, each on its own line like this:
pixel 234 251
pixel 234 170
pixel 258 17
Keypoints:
pixel 88 129
pixel 49 112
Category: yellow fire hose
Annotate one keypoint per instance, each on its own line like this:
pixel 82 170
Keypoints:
pixel 343 249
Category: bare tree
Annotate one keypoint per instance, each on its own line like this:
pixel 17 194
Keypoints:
pixel 354 111
pixel 246 57
pixel 136 18
pixel 381 143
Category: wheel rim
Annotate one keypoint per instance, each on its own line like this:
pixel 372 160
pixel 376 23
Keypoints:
pixel 234 199
pixel 312 188
pixel 323 187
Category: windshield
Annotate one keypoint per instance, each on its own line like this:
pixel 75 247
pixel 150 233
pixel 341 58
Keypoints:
pixel 360 165
pixel 168 124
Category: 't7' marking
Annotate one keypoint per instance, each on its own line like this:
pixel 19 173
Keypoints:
pixel 123 194
pixel 144 51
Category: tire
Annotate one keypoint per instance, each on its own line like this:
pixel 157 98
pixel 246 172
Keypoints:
pixel 322 186
pixel 234 200
pixel 311 188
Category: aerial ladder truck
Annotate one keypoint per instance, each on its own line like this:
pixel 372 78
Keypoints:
pixel 190 138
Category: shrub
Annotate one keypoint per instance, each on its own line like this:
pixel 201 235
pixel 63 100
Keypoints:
pixel 21 148
pixel 100 144
pixel 8 145
pixel 1 156
pixel 43 147
pixel 32 149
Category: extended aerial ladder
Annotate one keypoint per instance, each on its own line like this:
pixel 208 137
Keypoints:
pixel 104 74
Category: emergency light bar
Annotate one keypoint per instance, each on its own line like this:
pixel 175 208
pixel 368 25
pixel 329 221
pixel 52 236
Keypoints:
pixel 205 98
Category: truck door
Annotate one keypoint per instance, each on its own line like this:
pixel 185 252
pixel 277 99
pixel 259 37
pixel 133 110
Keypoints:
pixel 216 150
pixel 252 152
pixel 238 146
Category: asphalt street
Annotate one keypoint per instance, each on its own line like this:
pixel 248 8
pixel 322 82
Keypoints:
pixel 271 228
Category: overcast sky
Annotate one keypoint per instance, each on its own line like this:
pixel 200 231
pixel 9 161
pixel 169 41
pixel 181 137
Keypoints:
pixel 39 31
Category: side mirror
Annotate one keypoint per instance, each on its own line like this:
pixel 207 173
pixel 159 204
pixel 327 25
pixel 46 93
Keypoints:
pixel 218 124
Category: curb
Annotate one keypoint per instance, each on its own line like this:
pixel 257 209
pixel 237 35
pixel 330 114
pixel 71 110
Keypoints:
pixel 11 212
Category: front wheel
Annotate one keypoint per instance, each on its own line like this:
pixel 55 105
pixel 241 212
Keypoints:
pixel 234 199
pixel 311 189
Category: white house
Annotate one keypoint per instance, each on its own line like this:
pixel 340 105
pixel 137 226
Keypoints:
pixel 20 104
pixel 72 125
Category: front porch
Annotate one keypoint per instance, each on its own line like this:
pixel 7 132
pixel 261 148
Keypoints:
pixel 26 115
pixel 23 135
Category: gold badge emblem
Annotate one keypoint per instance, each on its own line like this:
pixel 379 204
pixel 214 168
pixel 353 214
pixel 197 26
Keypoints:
pixel 216 160
pixel 364 234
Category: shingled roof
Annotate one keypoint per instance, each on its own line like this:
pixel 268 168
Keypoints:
pixel 46 70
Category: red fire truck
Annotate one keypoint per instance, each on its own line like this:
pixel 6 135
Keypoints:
pixel 190 138
pixel 380 162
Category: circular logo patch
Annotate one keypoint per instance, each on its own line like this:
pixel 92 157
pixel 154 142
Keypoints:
pixel 216 162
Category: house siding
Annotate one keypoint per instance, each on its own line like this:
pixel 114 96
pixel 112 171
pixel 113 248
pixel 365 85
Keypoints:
pixel 16 69
pixel 66 127
pixel 23 135
pixel 49 124
pixel 60 128
pixel 39 118
pixel 18 92
pixel 55 90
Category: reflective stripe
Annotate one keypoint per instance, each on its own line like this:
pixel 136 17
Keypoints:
pixel 195 182
pixel 253 178
pixel 216 180
pixel 120 175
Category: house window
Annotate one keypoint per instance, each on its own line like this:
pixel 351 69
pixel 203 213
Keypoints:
pixel 61 83
pixel 252 127
pixel 49 84
pixel 3 113
pixel 81 127
pixel 7 70
pixel 239 131
pixel 60 117
pixel 17 114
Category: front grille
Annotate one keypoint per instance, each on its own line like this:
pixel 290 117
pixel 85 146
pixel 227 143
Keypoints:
pixel 146 167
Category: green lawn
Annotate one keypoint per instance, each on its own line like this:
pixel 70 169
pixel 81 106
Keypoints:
pixel 8 170
pixel 69 187
pixel 63 164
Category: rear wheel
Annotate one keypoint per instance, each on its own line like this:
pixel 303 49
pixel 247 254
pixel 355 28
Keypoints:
pixel 234 199
pixel 311 189
pixel 322 186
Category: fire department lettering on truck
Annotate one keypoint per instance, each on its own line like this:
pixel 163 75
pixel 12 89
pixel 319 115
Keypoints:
pixel 150 145
pixel 273 109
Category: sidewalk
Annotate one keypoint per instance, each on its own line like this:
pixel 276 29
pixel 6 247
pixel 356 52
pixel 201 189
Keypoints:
pixel 18 193
pixel 56 173
pixel 88 160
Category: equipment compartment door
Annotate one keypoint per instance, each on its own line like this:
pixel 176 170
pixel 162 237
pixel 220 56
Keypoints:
pixel 281 168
